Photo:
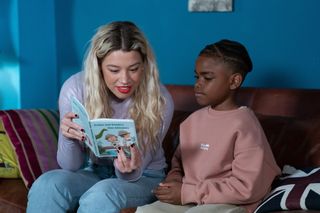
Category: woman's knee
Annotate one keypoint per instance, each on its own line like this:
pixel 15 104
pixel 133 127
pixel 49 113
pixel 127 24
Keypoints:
pixel 106 189
pixel 115 194
pixel 52 189
pixel 52 180
pixel 102 195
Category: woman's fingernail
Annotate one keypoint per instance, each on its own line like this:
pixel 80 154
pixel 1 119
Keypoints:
pixel 119 148
pixel 82 130
pixel 76 115
pixel 132 145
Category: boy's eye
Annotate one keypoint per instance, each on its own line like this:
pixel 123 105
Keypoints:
pixel 208 78
pixel 204 78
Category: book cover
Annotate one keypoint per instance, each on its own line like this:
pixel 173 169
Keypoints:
pixel 105 135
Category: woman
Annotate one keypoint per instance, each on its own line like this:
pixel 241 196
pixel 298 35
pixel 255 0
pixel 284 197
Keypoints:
pixel 120 80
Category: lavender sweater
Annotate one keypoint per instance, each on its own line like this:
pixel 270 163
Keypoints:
pixel 70 155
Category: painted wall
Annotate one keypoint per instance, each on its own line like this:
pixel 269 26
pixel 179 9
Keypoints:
pixel 37 54
pixel 281 36
pixel 9 63
pixel 28 68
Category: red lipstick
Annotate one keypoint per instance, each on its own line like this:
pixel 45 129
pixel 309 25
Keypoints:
pixel 124 89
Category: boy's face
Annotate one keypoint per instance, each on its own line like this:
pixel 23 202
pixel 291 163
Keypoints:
pixel 213 83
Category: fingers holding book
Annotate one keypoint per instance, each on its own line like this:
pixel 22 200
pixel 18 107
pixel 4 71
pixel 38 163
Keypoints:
pixel 127 164
pixel 70 129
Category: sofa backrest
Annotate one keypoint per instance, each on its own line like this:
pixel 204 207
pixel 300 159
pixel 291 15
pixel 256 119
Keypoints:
pixel 267 101
pixel 289 117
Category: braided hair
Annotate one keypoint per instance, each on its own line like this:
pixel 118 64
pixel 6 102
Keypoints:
pixel 230 52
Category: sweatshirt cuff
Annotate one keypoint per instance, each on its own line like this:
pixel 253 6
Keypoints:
pixel 188 194
pixel 131 177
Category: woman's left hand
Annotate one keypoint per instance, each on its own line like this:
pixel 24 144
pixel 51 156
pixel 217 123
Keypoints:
pixel 125 164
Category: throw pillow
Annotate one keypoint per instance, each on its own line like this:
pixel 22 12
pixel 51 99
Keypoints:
pixel 296 189
pixel 8 161
pixel 34 135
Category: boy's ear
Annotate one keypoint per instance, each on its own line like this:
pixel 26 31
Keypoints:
pixel 235 81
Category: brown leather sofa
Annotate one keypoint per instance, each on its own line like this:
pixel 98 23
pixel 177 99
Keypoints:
pixel 290 118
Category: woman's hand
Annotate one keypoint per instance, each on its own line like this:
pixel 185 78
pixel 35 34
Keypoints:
pixel 70 129
pixel 125 164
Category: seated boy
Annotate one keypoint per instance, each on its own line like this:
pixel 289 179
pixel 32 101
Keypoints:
pixel 224 162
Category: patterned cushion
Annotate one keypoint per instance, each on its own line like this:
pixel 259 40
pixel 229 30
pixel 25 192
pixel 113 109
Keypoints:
pixel 295 189
pixel 34 136
pixel 8 161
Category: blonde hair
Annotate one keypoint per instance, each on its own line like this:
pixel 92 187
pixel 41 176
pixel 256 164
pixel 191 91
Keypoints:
pixel 147 101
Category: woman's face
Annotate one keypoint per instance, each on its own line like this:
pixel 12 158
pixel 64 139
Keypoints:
pixel 122 72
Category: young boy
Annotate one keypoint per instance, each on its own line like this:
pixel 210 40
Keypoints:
pixel 224 162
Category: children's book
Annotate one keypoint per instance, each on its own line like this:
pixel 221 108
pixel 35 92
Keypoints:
pixel 105 135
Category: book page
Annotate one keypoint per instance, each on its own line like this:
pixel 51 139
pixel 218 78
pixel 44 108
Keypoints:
pixel 83 121
pixel 113 133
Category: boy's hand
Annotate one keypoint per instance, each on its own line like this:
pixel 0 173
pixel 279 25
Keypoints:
pixel 169 192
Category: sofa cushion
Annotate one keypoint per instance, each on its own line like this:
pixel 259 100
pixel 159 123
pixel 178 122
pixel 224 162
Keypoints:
pixel 8 161
pixel 295 189
pixel 34 135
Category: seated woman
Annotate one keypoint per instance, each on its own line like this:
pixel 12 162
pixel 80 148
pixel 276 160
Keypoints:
pixel 120 80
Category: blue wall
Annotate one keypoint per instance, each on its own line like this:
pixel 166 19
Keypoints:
pixel 9 64
pixel 281 36
pixel 38 72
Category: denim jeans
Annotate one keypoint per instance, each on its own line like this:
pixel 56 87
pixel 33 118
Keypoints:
pixel 85 191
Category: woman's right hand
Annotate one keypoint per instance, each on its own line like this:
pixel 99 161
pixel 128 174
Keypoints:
pixel 70 129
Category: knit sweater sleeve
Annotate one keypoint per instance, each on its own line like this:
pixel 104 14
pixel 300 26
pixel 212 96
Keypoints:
pixel 69 154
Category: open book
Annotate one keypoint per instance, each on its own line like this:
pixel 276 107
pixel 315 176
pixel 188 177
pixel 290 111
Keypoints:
pixel 105 135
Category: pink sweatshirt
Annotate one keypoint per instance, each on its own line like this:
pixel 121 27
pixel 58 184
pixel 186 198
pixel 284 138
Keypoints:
pixel 225 157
